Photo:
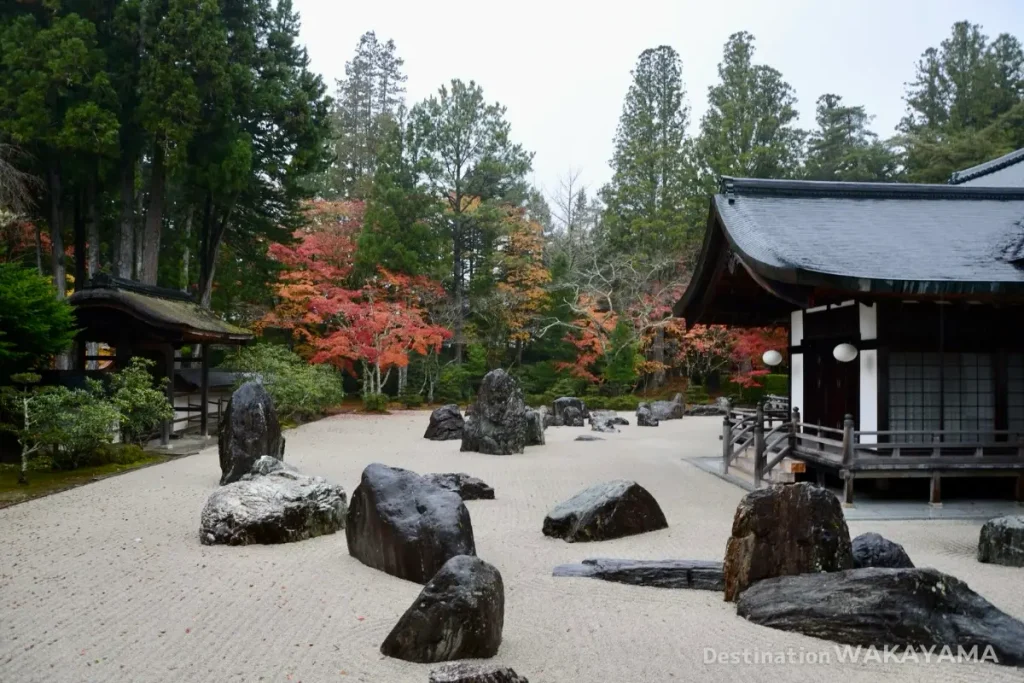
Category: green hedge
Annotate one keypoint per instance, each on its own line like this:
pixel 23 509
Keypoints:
pixel 624 402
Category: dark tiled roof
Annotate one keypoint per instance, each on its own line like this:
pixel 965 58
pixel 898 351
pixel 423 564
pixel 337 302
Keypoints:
pixel 877 236
pixel 987 167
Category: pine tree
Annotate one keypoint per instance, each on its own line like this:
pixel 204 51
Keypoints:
pixel 652 177
pixel 748 129
pixel 842 148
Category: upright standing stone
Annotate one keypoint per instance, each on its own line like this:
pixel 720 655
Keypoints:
pixel 405 524
pixel 498 425
pixel 249 430
pixel 446 424
pixel 534 427
pixel 459 614
pixel 782 530
pixel 1002 541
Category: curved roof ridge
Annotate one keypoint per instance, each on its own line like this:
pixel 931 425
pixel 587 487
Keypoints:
pixel 731 187
pixel 987 167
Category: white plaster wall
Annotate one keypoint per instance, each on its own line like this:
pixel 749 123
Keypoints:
pixel 796 381
pixel 869 394
pixel 796 326
pixel 868 322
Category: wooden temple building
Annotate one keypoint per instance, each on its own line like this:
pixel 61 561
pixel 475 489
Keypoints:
pixel 156 323
pixel 905 310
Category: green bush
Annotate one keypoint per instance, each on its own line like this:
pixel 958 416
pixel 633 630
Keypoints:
pixel 626 402
pixel 143 408
pixel 73 423
pixel 301 390
pixel 696 393
pixel 34 325
pixel 411 400
pixel 777 385
pixel 375 403
pixel 453 385
pixel 113 453
pixel 537 378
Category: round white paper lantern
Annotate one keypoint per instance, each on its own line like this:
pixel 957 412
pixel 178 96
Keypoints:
pixel 772 357
pixel 844 353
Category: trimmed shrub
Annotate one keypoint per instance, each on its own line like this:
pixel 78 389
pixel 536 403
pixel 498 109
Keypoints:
pixel 143 408
pixel 777 385
pixel 72 424
pixel 375 403
pixel 411 400
pixel 301 391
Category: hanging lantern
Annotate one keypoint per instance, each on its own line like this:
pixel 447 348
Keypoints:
pixel 772 358
pixel 844 353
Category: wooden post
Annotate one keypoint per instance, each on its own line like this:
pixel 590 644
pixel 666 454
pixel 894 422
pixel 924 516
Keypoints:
pixel 935 497
pixel 204 391
pixel 848 489
pixel 848 450
pixel 165 437
pixel 726 438
pixel 759 446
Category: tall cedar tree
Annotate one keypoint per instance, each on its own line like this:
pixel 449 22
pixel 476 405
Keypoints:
pixel 965 104
pixel 842 147
pixel 369 104
pixel 399 226
pixel 472 165
pixel 748 128
pixel 652 177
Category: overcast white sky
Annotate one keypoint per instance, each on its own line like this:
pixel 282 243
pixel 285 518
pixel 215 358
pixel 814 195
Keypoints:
pixel 562 67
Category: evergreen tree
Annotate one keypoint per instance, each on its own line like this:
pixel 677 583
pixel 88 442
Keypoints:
pixel 645 200
pixel 34 325
pixel 472 166
pixel 398 227
pixel 370 101
pixel 748 129
pixel 842 148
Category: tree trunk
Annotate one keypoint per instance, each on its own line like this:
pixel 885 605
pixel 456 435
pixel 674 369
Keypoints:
pixel 39 247
pixel 124 260
pixel 92 230
pixel 187 253
pixel 154 219
pixel 457 289
pixel 658 351
pixel 78 231
pixel 56 237
pixel 210 237
pixel 23 474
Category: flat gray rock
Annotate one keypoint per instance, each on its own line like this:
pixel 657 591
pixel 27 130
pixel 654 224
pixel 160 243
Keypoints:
pixel 459 614
pixel 464 672
pixel 468 488
pixel 695 574
pixel 1002 541
pixel 878 607
pixel 607 510
pixel 588 437
pixel 274 503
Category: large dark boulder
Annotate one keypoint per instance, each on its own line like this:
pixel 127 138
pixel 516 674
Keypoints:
pixel 645 417
pixel 468 488
pixel 695 574
pixel 669 410
pixel 249 430
pixel 534 427
pixel 1002 541
pixel 608 510
pixel 405 524
pixel 879 606
pixel 459 614
pixel 785 529
pixel 465 672
pixel 874 550
pixel 446 423
pixel 576 417
pixel 498 425
pixel 704 409
pixel 274 503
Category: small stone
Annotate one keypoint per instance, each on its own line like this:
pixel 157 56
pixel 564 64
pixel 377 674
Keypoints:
pixel 588 437
pixel 607 510
pixel 464 672
pixel 459 614
pixel 874 550
pixel 644 416
pixel 534 427
pixel 468 488
pixel 1002 541
pixel 446 424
